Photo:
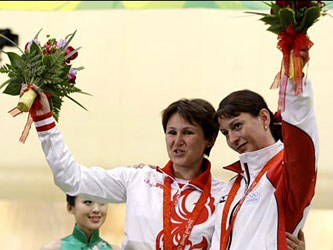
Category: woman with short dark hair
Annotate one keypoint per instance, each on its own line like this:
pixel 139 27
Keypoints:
pixel 167 208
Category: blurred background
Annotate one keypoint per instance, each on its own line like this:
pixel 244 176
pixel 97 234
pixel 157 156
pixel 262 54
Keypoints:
pixel 138 58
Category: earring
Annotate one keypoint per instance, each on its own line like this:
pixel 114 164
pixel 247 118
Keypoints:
pixel 265 127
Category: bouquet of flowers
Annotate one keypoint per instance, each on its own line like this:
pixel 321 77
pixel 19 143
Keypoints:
pixel 290 20
pixel 47 66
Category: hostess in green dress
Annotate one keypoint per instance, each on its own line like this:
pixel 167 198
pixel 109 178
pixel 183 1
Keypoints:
pixel 78 240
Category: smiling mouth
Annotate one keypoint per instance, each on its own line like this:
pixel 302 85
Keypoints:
pixel 94 218
pixel 179 152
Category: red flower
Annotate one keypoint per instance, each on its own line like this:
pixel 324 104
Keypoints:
pixel 283 4
pixel 72 78
pixel 48 46
pixel 303 3
pixel 69 50
pixel 72 75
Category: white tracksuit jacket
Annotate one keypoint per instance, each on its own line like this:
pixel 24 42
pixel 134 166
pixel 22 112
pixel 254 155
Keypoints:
pixel 282 198
pixel 141 189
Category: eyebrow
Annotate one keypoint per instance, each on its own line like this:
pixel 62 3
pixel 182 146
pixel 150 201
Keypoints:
pixel 233 121
pixel 192 127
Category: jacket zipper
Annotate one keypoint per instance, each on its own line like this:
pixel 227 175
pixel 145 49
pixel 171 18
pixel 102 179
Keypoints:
pixel 233 209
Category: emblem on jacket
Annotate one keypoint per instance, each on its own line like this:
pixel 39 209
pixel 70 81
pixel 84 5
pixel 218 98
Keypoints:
pixel 151 181
pixel 182 212
pixel 254 196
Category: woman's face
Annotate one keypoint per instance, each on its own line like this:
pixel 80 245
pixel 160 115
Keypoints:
pixel 246 133
pixel 89 215
pixel 185 142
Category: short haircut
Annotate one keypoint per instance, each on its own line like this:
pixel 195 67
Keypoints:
pixel 195 111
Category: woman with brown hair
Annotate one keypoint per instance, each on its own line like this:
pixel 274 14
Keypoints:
pixel 275 180
pixel 166 208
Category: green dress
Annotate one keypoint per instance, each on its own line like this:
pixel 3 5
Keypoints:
pixel 78 241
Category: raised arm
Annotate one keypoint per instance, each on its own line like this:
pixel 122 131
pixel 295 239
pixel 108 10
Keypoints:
pixel 92 183
pixel 300 137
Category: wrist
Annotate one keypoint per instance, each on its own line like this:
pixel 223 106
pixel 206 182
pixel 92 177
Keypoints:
pixel 44 122
pixel 39 116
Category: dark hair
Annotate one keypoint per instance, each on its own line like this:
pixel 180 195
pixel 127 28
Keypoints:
pixel 70 200
pixel 249 102
pixel 196 111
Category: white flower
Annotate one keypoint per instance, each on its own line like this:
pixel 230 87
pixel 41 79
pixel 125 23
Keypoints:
pixel 61 43
pixel 73 71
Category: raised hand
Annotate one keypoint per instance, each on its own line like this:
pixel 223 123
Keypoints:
pixel 42 109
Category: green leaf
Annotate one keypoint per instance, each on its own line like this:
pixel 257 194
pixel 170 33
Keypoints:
pixel 275 28
pixel 5 69
pixel 270 19
pixel 287 17
pixel 15 59
pixel 79 68
pixel 275 8
pixel 5 83
pixel 69 40
pixel 55 103
pixel 35 48
pixel 56 59
pixel 13 88
pixel 84 93
pixel 47 60
pixel 256 13
pixel 11 42
pixel 36 36
pixel 311 15
pixel 65 71
pixel 76 102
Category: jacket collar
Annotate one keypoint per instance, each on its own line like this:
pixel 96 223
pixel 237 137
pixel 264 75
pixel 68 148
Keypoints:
pixel 81 236
pixel 198 182
pixel 250 163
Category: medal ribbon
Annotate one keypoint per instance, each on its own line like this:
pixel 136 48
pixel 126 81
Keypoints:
pixel 167 205
pixel 225 233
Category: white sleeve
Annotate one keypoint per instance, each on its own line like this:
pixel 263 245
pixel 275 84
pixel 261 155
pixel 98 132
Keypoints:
pixel 299 111
pixel 96 183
